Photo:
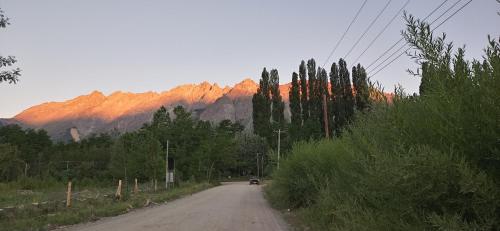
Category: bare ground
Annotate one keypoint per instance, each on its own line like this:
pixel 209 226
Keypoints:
pixel 231 206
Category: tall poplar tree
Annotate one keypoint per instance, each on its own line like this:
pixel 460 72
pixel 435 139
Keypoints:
pixel 261 105
pixel 323 91
pixel 348 97
pixel 360 84
pixel 278 106
pixel 303 90
pixel 312 126
pixel 294 97
pixel 337 100
pixel 313 90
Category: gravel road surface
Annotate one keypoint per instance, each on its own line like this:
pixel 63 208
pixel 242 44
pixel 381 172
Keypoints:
pixel 231 206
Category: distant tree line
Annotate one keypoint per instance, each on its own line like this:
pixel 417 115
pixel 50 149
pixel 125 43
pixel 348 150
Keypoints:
pixel 201 151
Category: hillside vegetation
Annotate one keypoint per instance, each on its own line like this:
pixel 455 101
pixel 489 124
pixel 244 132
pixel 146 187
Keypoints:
pixel 425 162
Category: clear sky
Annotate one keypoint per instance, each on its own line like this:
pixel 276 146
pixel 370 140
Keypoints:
pixel 69 48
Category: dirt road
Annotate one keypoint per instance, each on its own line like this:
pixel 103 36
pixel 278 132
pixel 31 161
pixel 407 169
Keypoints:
pixel 231 206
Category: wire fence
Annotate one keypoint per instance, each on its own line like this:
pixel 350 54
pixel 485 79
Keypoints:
pixel 30 203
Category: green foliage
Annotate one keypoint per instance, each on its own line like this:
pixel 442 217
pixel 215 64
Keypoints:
pixel 201 150
pixel 11 164
pixel 88 158
pixel 268 107
pixel 33 147
pixel 314 101
pixel 303 91
pixel 323 91
pixel 277 104
pixel 347 95
pixel 337 100
pixel 137 155
pixel 261 103
pixel 295 110
pixel 248 146
pixel 427 162
pixel 360 84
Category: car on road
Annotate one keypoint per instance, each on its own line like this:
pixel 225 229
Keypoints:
pixel 254 180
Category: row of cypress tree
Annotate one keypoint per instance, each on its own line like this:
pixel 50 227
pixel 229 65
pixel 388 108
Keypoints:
pixel 268 106
pixel 310 92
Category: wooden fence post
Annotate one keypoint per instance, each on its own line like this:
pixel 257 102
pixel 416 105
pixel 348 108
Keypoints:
pixel 68 195
pixel 136 187
pixel 118 194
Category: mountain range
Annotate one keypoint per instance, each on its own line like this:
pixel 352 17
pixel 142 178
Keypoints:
pixel 123 111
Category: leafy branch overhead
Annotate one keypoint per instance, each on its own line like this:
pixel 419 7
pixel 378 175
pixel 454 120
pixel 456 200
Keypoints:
pixel 11 76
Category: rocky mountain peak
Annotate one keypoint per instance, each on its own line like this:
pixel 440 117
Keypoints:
pixel 126 111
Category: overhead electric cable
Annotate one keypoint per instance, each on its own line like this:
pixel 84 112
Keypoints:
pixel 345 32
pixel 368 28
pixel 449 17
pixel 401 39
pixel 445 12
pixel 388 57
pixel 382 31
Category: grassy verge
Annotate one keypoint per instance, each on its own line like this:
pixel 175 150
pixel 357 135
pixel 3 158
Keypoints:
pixel 89 204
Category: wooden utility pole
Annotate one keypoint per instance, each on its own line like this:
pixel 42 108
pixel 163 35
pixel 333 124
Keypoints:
pixel 325 117
pixel 68 195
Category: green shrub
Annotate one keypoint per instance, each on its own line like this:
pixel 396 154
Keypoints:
pixel 427 162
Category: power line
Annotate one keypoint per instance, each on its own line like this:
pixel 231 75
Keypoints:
pixel 454 13
pixel 345 32
pixel 368 28
pixel 395 52
pixel 401 39
pixel 388 57
pixel 445 12
pixel 382 31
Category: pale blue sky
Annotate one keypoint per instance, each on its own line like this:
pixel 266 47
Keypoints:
pixel 69 48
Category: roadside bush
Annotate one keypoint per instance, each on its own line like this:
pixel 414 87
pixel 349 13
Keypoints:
pixel 359 183
pixel 426 162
